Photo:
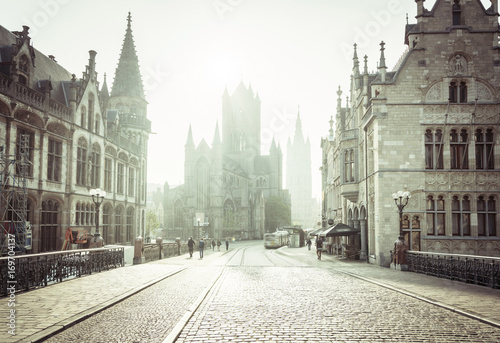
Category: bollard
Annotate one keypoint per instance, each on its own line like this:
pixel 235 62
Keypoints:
pixel 139 251
pixel 159 240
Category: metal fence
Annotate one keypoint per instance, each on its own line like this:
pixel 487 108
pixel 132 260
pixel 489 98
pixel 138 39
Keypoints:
pixel 25 272
pixel 479 270
pixel 155 251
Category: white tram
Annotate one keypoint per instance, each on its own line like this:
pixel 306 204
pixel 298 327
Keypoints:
pixel 276 239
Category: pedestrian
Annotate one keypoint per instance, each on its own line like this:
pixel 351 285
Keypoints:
pixel 319 247
pixel 309 243
pixel 213 244
pixel 190 246
pixel 218 244
pixel 227 244
pixel 201 246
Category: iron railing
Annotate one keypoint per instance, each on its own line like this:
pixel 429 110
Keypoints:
pixel 479 270
pixel 25 272
pixel 152 251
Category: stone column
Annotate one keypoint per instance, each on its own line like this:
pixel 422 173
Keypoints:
pixel 139 251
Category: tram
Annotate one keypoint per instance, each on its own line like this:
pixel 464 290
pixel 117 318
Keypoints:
pixel 276 239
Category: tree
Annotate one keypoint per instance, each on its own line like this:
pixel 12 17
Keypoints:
pixel 152 223
pixel 278 213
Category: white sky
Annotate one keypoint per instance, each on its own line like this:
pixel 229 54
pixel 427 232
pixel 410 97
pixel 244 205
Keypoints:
pixel 292 52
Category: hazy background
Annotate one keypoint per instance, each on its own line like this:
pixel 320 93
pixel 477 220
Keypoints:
pixel 292 52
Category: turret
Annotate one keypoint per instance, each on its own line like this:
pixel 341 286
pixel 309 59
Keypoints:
pixel 382 68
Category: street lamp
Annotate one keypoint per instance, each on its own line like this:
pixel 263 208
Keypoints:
pixel 199 229
pixel 401 199
pixel 97 197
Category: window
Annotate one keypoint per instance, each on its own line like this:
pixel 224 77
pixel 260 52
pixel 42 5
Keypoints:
pixel 77 214
pixel 81 163
pixel 118 225
pixel 349 166
pixel 486 216
pixel 411 231
pixel 460 216
pixel 108 168
pixel 130 213
pixel 178 211
pixel 433 149
pixel 131 181
pixel 54 160
pixel 484 149
pixel 458 92
pixel 457 11
pixel 83 117
pixel 105 222
pixel 90 125
pixel 435 216
pixel 459 150
pixel 49 225
pixel 97 125
pixel 25 145
pixel 120 178
pixel 95 174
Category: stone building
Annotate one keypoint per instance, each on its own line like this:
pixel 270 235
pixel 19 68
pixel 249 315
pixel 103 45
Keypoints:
pixel 429 127
pixel 80 137
pixel 226 185
pixel 299 178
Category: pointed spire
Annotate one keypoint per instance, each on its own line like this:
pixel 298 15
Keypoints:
pixel 382 67
pixel 355 61
pixel 128 81
pixel 273 146
pixel 299 137
pixel 331 126
pixel 190 140
pixel 104 90
pixel 216 140
pixel 365 70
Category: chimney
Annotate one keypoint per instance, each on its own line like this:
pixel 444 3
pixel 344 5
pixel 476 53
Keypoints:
pixel 92 54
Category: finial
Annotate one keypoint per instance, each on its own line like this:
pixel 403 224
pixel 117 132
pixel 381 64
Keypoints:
pixel 339 92
pixel 365 71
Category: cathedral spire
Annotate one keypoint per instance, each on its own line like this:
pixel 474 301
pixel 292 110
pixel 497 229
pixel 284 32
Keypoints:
pixel 216 140
pixel 128 81
pixel 299 137
pixel 190 140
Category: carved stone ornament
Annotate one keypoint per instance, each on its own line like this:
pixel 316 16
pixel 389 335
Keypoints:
pixel 57 129
pixel 483 93
pixel 434 93
pixel 458 65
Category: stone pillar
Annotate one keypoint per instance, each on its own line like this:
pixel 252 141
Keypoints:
pixel 159 241
pixel 399 255
pixel 139 251
pixel 363 253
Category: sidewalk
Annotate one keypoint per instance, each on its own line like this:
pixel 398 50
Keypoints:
pixel 479 302
pixel 40 312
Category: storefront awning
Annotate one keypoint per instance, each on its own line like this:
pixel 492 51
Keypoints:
pixel 340 230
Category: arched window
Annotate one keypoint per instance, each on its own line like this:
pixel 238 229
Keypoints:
pixel 178 214
pixel 91 123
pixel 130 214
pixel 484 149
pixel 459 144
pixel 81 163
pixel 486 216
pixel 118 225
pixel 95 171
pixel 49 225
pixel 460 216
pixel 435 213
pixel 106 210
pixel 229 215
pixel 83 117
pixel 202 185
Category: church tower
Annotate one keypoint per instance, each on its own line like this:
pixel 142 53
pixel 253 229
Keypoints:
pixel 299 177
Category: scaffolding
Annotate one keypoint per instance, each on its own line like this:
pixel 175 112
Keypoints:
pixel 15 232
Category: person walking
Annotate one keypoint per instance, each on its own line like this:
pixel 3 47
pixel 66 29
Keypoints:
pixel 309 243
pixel 190 246
pixel 213 244
pixel 227 244
pixel 319 247
pixel 201 246
pixel 218 244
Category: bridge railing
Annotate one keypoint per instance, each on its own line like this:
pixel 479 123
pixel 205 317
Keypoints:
pixel 479 270
pixel 156 251
pixel 25 272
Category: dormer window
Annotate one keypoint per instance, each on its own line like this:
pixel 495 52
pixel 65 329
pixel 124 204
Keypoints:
pixel 457 13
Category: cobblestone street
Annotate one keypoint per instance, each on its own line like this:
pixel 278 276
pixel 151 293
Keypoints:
pixel 319 305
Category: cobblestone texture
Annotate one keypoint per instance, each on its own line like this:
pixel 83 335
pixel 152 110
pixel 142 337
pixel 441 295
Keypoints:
pixel 319 305
pixel 148 316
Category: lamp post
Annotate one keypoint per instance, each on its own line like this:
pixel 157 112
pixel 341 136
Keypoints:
pixel 401 199
pixel 199 229
pixel 97 197
pixel 400 247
